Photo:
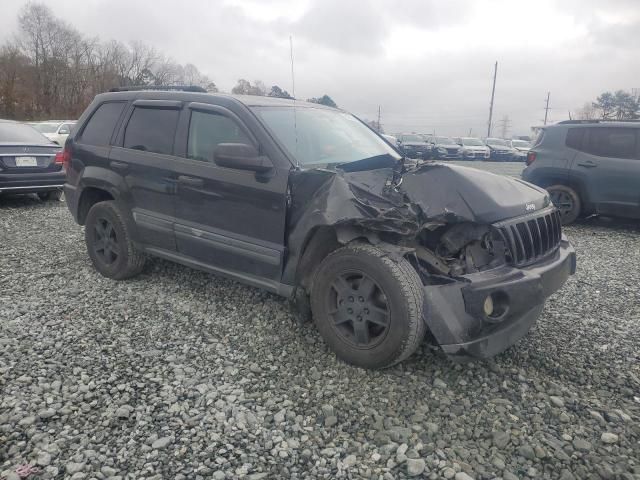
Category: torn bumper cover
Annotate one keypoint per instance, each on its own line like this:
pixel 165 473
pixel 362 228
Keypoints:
pixel 467 325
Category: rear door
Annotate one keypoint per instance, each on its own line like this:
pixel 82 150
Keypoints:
pixel 231 220
pixel 608 165
pixel 144 157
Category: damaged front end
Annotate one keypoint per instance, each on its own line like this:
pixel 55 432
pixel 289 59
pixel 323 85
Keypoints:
pixel 486 264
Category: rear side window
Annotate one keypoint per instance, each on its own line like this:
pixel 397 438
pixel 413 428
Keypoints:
pixel 612 142
pixel 538 140
pixel 575 136
pixel 152 130
pixel 207 130
pixel 100 127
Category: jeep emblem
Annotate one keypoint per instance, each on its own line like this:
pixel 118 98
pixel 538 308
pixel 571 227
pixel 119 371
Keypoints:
pixel 530 206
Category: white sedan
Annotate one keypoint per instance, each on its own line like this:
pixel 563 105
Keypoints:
pixel 56 131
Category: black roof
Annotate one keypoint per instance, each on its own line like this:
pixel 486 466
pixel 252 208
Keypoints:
pixel 197 96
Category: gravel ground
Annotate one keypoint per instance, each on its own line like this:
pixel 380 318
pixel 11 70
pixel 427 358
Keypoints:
pixel 178 374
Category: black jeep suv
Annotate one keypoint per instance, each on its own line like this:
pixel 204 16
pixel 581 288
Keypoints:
pixel 308 202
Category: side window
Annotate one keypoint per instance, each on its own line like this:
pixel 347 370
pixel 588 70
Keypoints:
pixel 207 130
pixel 152 130
pixel 612 142
pixel 575 137
pixel 99 128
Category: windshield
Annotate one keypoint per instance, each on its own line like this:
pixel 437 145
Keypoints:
pixel 472 142
pixel 46 127
pixel 412 138
pixel 316 136
pixel 496 141
pixel 444 140
pixel 20 133
pixel 520 143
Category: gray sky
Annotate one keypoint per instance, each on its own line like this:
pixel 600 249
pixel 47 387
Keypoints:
pixel 427 63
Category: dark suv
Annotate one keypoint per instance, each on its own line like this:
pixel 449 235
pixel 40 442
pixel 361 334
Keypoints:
pixel 588 167
pixel 308 202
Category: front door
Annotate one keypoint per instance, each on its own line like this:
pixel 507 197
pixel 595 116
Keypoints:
pixel 230 220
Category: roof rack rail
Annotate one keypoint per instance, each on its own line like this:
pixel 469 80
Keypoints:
pixel 184 88
pixel 577 122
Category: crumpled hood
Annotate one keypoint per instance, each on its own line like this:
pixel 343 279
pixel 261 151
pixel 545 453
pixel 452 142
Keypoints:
pixel 452 191
pixel 428 196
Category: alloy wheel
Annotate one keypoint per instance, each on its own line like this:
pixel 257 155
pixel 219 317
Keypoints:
pixel 359 309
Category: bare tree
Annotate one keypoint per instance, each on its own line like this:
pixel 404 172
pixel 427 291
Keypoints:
pixel 51 70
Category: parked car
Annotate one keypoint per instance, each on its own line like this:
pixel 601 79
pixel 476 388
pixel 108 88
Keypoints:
pixel 500 150
pixel 520 149
pixel 414 146
pixel 588 167
pixel 322 211
pixel 57 131
pixel 473 148
pixel 444 148
pixel 29 162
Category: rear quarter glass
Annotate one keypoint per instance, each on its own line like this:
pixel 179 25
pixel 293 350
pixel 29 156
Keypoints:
pixel 100 126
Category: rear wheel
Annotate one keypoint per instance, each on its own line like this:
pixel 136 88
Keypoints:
pixel 54 195
pixel 567 201
pixel 368 307
pixel 109 243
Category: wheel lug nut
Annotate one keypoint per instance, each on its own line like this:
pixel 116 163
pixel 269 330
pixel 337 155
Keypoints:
pixel 350 310
pixel 359 318
pixel 361 299
pixel 366 311
pixel 351 299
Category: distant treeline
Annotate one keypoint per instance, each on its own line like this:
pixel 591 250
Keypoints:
pixel 50 70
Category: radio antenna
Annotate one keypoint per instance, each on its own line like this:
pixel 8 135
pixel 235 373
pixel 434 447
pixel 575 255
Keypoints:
pixel 293 91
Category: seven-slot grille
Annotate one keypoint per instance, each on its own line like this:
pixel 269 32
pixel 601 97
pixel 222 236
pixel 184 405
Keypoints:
pixel 531 237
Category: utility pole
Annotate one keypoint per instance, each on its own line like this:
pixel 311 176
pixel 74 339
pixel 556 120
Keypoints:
pixel 378 118
pixel 546 109
pixel 505 124
pixel 493 93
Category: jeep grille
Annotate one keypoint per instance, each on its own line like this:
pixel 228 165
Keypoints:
pixel 531 237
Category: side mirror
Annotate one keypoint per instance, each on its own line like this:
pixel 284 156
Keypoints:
pixel 241 156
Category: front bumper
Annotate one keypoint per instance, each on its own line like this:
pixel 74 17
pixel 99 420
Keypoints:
pixel 476 155
pixel 31 182
pixel 455 314
pixel 501 156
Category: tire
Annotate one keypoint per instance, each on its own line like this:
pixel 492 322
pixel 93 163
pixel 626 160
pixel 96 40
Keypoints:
pixel 53 195
pixel 568 202
pixel 109 243
pixel 383 329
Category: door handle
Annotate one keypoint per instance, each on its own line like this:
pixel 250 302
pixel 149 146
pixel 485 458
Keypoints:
pixel 190 181
pixel 118 165
pixel 587 164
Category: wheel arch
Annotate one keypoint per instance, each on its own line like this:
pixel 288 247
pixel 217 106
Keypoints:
pixel 545 181
pixel 88 198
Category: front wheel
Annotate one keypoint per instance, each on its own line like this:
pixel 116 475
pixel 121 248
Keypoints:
pixel 367 306
pixel 567 201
